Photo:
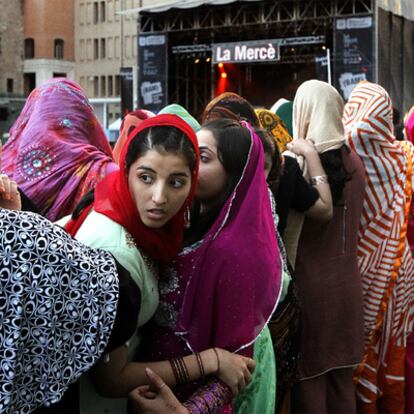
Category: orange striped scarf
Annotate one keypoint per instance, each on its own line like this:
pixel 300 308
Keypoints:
pixel 384 258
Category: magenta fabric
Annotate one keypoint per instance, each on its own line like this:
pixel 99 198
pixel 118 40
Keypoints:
pixel 57 150
pixel 409 130
pixel 234 275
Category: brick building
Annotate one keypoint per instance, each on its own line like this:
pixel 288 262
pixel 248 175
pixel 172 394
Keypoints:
pixel 48 41
pixel 11 58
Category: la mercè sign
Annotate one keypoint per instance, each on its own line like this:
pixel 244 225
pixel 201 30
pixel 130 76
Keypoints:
pixel 247 52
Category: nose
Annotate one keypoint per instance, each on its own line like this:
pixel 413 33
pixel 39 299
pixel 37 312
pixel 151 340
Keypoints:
pixel 159 195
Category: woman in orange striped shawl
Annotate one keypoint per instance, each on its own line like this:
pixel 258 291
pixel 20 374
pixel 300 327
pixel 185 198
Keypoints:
pixel 384 257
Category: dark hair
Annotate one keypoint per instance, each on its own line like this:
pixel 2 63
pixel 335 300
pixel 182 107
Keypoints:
pixel 333 165
pixel 271 149
pixel 233 146
pixel 163 139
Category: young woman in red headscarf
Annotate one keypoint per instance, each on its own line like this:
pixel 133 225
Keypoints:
pixel 138 214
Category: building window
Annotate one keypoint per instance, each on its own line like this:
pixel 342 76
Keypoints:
pixel 117 84
pixel 95 86
pixel 103 86
pixel 110 86
pixel 96 12
pixel 29 48
pixel 82 13
pixel 96 48
pixel 82 52
pixel 59 44
pixel 110 47
pixel 10 85
pixel 103 11
pixel 103 48
pixel 0 46
pixel 59 75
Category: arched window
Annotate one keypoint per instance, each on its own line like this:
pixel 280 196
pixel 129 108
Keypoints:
pixel 59 43
pixel 29 48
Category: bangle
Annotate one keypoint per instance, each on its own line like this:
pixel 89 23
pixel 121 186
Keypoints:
pixel 200 365
pixel 218 360
pixel 185 378
pixel 319 179
pixel 173 363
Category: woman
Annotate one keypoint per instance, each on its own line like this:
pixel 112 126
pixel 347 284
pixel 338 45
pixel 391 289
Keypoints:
pixel 326 273
pixel 63 306
pixel 221 260
pixel 274 124
pixel 409 359
pixel 384 257
pixel 284 109
pixel 57 150
pixel 232 103
pixel 130 121
pixel 138 214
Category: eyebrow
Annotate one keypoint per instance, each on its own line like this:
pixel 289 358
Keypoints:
pixel 174 173
pixel 205 147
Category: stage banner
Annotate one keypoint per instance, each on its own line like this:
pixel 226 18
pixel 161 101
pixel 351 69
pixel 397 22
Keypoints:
pixel 353 53
pixel 152 72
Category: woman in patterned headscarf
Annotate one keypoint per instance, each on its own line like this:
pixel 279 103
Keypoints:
pixel 384 256
pixel 274 124
pixel 57 150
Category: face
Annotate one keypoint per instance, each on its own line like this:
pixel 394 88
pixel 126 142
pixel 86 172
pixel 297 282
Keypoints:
pixel 159 183
pixel 212 177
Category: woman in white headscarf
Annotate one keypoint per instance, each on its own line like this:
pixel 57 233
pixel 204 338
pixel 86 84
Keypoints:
pixel 326 272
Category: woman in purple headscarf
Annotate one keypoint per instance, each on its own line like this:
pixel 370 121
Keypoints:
pixel 224 286
pixel 57 150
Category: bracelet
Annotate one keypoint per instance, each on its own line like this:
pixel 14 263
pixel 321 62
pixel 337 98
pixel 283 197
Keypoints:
pixel 185 378
pixel 175 371
pixel 319 179
pixel 200 365
pixel 218 360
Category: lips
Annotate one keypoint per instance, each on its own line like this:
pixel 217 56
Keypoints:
pixel 156 214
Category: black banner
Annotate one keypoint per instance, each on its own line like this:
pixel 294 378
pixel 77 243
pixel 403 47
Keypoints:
pixel 153 72
pixel 354 53
pixel 127 85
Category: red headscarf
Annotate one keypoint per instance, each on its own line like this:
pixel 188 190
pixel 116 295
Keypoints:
pixel 113 199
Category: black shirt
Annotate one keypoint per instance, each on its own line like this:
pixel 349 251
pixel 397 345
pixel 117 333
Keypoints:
pixel 293 192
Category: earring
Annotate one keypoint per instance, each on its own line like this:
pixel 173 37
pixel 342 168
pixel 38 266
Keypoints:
pixel 187 217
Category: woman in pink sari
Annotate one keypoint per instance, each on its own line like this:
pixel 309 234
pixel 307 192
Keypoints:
pixel 57 150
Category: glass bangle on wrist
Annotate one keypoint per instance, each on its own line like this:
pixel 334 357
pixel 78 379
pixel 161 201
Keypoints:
pixel 319 179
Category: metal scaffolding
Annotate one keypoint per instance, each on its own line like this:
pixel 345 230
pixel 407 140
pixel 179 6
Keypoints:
pixel 287 14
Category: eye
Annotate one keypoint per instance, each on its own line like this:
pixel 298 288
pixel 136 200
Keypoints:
pixel 177 183
pixel 204 158
pixel 145 178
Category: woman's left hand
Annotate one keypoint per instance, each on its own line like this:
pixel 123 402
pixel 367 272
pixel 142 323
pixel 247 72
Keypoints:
pixel 162 401
pixel 302 147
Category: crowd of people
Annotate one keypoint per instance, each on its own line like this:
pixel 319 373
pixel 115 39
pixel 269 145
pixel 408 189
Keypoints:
pixel 257 262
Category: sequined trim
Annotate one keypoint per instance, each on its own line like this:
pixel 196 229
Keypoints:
pixel 35 162
pixel 166 315
pixel 169 282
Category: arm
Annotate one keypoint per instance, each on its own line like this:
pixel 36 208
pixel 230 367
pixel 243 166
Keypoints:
pixel 118 377
pixel 322 209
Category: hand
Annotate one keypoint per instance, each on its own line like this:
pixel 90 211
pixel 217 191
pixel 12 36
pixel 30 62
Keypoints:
pixel 9 194
pixel 235 370
pixel 161 401
pixel 301 146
